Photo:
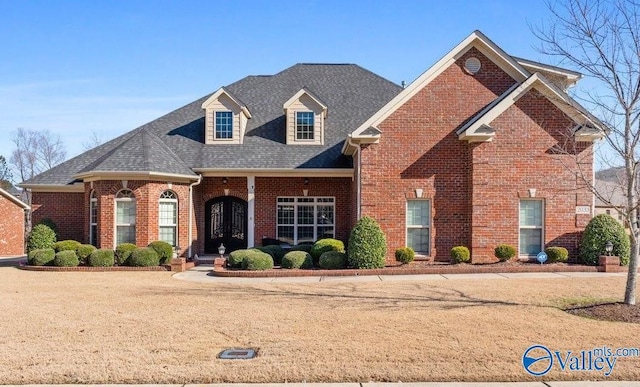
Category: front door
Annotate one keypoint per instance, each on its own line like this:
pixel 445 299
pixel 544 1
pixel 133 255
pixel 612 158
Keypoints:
pixel 225 223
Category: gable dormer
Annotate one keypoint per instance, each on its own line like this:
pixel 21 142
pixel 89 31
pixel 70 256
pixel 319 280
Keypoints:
pixel 225 118
pixel 305 115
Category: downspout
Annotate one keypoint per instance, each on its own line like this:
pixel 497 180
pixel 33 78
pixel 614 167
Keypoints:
pixel 359 177
pixel 191 213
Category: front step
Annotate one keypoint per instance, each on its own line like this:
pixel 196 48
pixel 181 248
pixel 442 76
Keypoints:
pixel 206 259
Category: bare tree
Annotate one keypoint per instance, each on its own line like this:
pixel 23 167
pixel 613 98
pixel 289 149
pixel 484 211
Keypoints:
pixel 94 140
pixel 35 152
pixel 601 38
pixel 5 174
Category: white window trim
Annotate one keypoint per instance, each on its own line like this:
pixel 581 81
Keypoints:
pixel 93 204
pixel 315 205
pixel 175 225
pixel 115 216
pixel 295 127
pixel 542 216
pixel 407 226
pixel 215 137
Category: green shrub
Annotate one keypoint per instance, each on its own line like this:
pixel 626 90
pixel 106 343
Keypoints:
pixel 324 245
pixel 297 260
pixel 41 257
pixel 257 260
pixel 333 260
pixel 276 252
pixel 41 237
pixel 235 258
pixel 84 251
pixel 66 258
pixel 603 228
pixel 101 258
pixel 50 223
pixel 505 252
pixel 405 255
pixel 164 250
pixel 557 254
pixel 66 245
pixel 367 245
pixel 143 257
pixel 460 254
pixel 123 252
pixel 305 248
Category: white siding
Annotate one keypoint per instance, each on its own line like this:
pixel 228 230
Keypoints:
pixel 223 103
pixel 305 104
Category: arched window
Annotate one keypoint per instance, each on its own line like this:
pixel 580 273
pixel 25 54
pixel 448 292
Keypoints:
pixel 125 217
pixel 93 219
pixel 168 217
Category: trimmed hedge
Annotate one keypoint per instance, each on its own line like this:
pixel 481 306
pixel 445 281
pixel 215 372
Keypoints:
pixel 41 257
pixel 123 253
pixel 66 258
pixel 257 260
pixel 557 254
pixel 333 260
pixel 101 258
pixel 405 255
pixel 164 250
pixel 84 251
pixel 41 237
pixel 297 260
pixel 367 245
pixel 143 257
pixel 66 245
pixel 460 254
pixel 276 252
pixel 324 245
pixel 603 228
pixel 504 252
pixel 235 258
pixel 305 248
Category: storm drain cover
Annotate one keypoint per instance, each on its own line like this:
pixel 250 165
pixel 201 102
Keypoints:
pixel 237 354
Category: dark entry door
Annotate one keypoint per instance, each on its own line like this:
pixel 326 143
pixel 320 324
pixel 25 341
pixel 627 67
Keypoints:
pixel 225 222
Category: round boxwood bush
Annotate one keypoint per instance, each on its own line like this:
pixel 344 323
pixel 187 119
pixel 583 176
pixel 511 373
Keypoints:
pixel 276 252
pixel 66 245
pixel 333 260
pixel 123 252
pixel 460 254
pixel 557 254
pixel 324 245
pixel 41 237
pixel 367 245
pixel 603 228
pixel 143 257
pixel 405 255
pixel 66 258
pixel 297 260
pixel 84 251
pixel 305 248
pixel 41 257
pixel 235 258
pixel 504 252
pixel 164 250
pixel 101 258
pixel 257 260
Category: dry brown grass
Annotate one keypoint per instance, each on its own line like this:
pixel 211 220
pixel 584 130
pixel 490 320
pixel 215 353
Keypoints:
pixel 147 327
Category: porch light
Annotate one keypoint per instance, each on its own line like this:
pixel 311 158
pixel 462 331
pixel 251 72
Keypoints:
pixel 224 180
pixel 608 247
pixel 221 250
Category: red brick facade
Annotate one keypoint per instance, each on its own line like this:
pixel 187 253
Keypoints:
pixel 65 209
pixel 11 227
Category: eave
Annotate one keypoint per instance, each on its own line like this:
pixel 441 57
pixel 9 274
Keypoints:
pixel 275 172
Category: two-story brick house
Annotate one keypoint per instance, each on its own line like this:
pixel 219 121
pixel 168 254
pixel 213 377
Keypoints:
pixel 467 154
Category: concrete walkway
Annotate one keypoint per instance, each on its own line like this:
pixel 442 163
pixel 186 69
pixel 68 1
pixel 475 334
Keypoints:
pixel 370 384
pixel 202 273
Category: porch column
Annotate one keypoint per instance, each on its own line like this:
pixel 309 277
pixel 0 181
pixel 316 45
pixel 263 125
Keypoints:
pixel 251 210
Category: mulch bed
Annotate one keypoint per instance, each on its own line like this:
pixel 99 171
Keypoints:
pixel 614 311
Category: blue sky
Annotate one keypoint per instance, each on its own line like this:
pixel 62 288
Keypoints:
pixel 75 67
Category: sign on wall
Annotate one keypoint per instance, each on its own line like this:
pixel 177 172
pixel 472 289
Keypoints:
pixel 583 210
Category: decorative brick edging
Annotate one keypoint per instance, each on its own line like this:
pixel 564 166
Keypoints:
pixel 90 268
pixel 437 269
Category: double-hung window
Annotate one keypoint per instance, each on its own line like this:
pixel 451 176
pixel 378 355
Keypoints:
pixel 93 219
pixel 125 217
pixel 304 125
pixel 418 225
pixel 168 217
pixel 531 226
pixel 223 125
pixel 305 219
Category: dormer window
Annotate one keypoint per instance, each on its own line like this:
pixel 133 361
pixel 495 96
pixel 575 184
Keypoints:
pixel 224 125
pixel 305 126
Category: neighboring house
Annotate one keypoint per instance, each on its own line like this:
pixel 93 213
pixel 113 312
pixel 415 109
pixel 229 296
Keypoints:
pixel 614 196
pixel 11 224
pixel 467 154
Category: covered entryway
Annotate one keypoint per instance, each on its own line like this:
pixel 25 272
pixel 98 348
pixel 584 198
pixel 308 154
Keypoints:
pixel 225 222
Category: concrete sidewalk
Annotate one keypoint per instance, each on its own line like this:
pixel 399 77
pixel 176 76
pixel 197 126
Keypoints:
pixel 202 273
pixel 371 384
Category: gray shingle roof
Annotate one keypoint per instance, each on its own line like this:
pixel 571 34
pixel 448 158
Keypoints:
pixel 174 143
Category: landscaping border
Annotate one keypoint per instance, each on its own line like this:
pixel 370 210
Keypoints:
pixel 93 268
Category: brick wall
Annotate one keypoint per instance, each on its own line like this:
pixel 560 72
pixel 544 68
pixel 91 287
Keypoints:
pixel 65 209
pixel 11 228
